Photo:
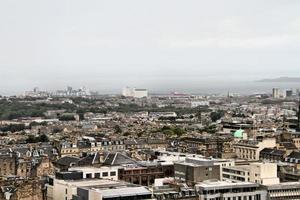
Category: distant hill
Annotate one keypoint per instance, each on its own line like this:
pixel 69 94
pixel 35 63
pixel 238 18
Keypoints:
pixel 282 80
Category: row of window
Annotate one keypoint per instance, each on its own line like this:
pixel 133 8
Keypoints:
pixel 104 174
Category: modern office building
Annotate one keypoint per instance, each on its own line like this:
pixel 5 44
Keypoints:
pixel 261 173
pixel 73 185
pixel 112 190
pixel 222 190
pixel 192 171
pixel 276 93
pixel 104 172
pixel 288 190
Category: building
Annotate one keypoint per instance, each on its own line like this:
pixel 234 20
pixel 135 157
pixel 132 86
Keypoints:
pixel 288 92
pixel 72 185
pixel 272 155
pixel 195 104
pixel 112 190
pixel 212 190
pixel 145 173
pixel 140 93
pixel 250 150
pixel 8 163
pixel 104 172
pixel 288 190
pixel 134 92
pixel 208 146
pixel 276 93
pixel 261 173
pixel 192 171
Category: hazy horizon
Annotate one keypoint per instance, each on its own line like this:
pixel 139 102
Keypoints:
pixel 169 45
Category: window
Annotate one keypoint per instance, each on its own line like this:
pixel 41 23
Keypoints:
pixel 105 174
pixel 89 175
pixel 97 175
pixel 113 173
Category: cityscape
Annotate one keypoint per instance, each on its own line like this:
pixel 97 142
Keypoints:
pixel 149 100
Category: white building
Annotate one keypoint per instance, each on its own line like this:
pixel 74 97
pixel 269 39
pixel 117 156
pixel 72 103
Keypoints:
pixel 276 93
pixel 261 173
pixel 212 190
pixel 68 187
pixel 134 92
pixel 289 190
pixel 140 93
pixel 103 172
pixel 195 104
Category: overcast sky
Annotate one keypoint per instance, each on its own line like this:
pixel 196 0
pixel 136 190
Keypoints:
pixel 106 45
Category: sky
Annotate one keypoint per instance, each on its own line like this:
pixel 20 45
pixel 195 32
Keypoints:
pixel 158 44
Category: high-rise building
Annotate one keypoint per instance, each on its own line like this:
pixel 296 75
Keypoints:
pixel 288 93
pixel 276 93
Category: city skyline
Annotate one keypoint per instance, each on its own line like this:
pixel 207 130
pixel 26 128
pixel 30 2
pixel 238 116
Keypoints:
pixel 167 45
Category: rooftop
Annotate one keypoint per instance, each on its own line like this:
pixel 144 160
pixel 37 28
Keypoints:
pixel 224 184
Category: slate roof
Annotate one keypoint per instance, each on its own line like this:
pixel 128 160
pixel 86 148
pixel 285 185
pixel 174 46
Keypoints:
pixel 275 152
pixel 67 161
pixel 89 160
pixel 118 159
pixel 294 154
pixel 288 145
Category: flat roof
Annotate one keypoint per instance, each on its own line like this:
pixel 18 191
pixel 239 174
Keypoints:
pixel 224 185
pixel 93 169
pixel 88 182
pixel 287 185
pixel 239 167
pixel 123 192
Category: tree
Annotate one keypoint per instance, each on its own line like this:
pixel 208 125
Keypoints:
pixel 43 138
pixel 216 115
pixel 118 129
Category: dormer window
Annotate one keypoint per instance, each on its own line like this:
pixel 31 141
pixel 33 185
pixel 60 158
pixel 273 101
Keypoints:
pixel 28 154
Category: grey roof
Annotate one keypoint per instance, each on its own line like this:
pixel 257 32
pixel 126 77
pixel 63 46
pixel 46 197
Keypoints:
pixel 294 154
pixel 67 161
pixel 89 159
pixel 125 192
pixel 271 151
pixel 118 159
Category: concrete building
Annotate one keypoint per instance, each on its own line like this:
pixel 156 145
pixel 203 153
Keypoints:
pixel 72 185
pixel 276 93
pixel 261 173
pixel 112 191
pixel 250 150
pixel 103 172
pixel 192 171
pixel 212 190
pixel 289 190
